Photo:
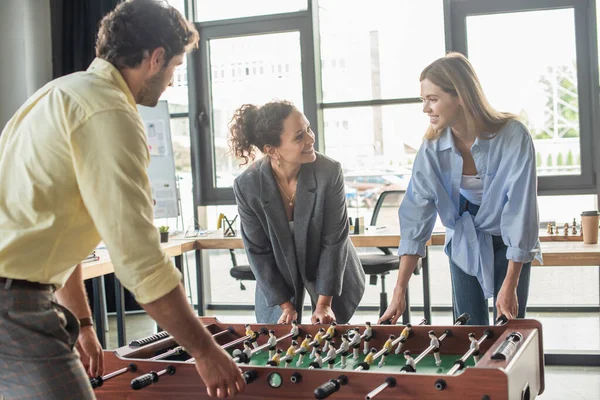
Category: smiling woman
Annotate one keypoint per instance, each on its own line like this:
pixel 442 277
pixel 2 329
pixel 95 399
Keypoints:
pixel 294 223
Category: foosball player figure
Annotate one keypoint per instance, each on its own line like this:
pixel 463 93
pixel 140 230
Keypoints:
pixel 253 335
pixel 403 336
pixel 369 358
pixel 329 335
pixel 276 359
pixel 317 342
pixel 436 347
pixel 474 345
pixel 549 228
pixel 410 365
pixel 332 354
pixel 291 353
pixel 318 361
pixel 574 231
pixel 367 335
pixel 345 348
pixel 247 349
pixel 304 348
pixel 387 346
pixel 295 331
pixel 272 341
pixel 566 229
pixel 355 343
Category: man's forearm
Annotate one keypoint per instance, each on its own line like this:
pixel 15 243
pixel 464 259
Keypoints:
pixel 73 296
pixel 173 313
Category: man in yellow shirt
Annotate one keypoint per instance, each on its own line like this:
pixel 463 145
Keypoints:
pixel 73 172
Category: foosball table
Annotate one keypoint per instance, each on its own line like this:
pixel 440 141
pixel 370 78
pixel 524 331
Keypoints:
pixel 341 362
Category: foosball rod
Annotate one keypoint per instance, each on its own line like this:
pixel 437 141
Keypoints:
pixel 460 363
pixel 390 382
pixel 459 321
pixel 98 381
pixel 380 352
pixel 259 348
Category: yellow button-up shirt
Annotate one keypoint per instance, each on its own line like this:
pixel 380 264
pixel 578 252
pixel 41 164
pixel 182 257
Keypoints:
pixel 73 165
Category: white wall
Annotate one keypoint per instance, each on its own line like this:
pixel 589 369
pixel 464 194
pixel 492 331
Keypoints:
pixel 25 52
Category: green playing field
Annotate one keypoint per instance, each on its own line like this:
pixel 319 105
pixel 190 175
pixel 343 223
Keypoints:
pixel 393 362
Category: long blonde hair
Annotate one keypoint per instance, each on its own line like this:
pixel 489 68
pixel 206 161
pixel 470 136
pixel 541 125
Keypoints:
pixel 455 75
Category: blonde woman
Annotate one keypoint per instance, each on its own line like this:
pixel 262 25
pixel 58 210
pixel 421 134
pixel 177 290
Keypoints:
pixel 476 169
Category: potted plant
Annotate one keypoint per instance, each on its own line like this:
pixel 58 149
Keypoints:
pixel 164 233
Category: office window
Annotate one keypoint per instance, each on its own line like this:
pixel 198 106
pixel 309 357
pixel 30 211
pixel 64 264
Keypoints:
pixel 378 49
pixel 211 10
pixel 538 82
pixel 177 95
pixel 228 95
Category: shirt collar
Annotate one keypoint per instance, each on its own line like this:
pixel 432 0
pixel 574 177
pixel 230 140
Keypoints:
pixel 108 71
pixel 445 141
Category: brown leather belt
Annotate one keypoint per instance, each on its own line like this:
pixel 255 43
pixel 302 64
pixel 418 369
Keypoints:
pixel 7 283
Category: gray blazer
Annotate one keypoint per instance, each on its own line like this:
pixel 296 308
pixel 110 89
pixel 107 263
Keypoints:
pixel 319 257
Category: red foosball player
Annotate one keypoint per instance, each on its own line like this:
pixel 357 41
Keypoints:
pixel 410 365
pixel 367 334
pixel 387 346
pixel 291 353
pixel 276 359
pixel 403 336
pixel 474 345
pixel 436 347
pixel 304 348
pixel 253 335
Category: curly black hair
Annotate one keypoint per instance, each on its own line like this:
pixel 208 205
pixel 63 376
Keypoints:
pixel 137 27
pixel 254 127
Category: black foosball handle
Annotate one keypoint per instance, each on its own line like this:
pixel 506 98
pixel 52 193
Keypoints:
pixel 144 380
pixel 152 377
pixel 96 382
pixel 330 387
pixel 501 320
pixel 250 376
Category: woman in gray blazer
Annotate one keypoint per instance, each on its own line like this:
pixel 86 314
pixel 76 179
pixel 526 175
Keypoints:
pixel 294 222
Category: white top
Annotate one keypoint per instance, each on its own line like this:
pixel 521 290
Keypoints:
pixel 471 187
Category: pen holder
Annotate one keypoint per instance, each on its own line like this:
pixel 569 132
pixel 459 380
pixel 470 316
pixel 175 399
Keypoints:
pixel 227 225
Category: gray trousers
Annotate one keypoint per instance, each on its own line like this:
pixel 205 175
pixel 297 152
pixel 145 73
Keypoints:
pixel 37 355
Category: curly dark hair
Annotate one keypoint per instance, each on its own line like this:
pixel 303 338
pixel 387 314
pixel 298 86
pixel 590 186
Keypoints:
pixel 136 27
pixel 254 127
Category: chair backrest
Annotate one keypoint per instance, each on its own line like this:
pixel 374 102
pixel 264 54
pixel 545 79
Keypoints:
pixel 386 209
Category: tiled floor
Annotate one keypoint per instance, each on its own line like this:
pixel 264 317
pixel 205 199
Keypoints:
pixel 562 383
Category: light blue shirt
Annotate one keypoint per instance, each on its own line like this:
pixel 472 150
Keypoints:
pixel 506 164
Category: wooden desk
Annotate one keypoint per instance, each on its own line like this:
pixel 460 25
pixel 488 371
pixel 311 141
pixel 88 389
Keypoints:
pixel 97 269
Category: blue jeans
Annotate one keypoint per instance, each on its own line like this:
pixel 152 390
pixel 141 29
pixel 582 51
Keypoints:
pixel 467 295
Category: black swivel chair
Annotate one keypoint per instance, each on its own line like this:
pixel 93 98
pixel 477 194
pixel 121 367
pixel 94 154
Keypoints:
pixel 380 264
pixel 240 272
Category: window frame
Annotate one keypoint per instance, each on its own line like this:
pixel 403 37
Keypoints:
pixel 203 164
pixel 587 78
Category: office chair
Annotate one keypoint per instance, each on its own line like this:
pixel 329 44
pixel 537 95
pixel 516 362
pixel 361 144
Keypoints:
pixel 380 264
pixel 240 272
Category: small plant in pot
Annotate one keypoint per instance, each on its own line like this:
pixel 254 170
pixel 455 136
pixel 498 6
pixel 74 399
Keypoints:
pixel 164 233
